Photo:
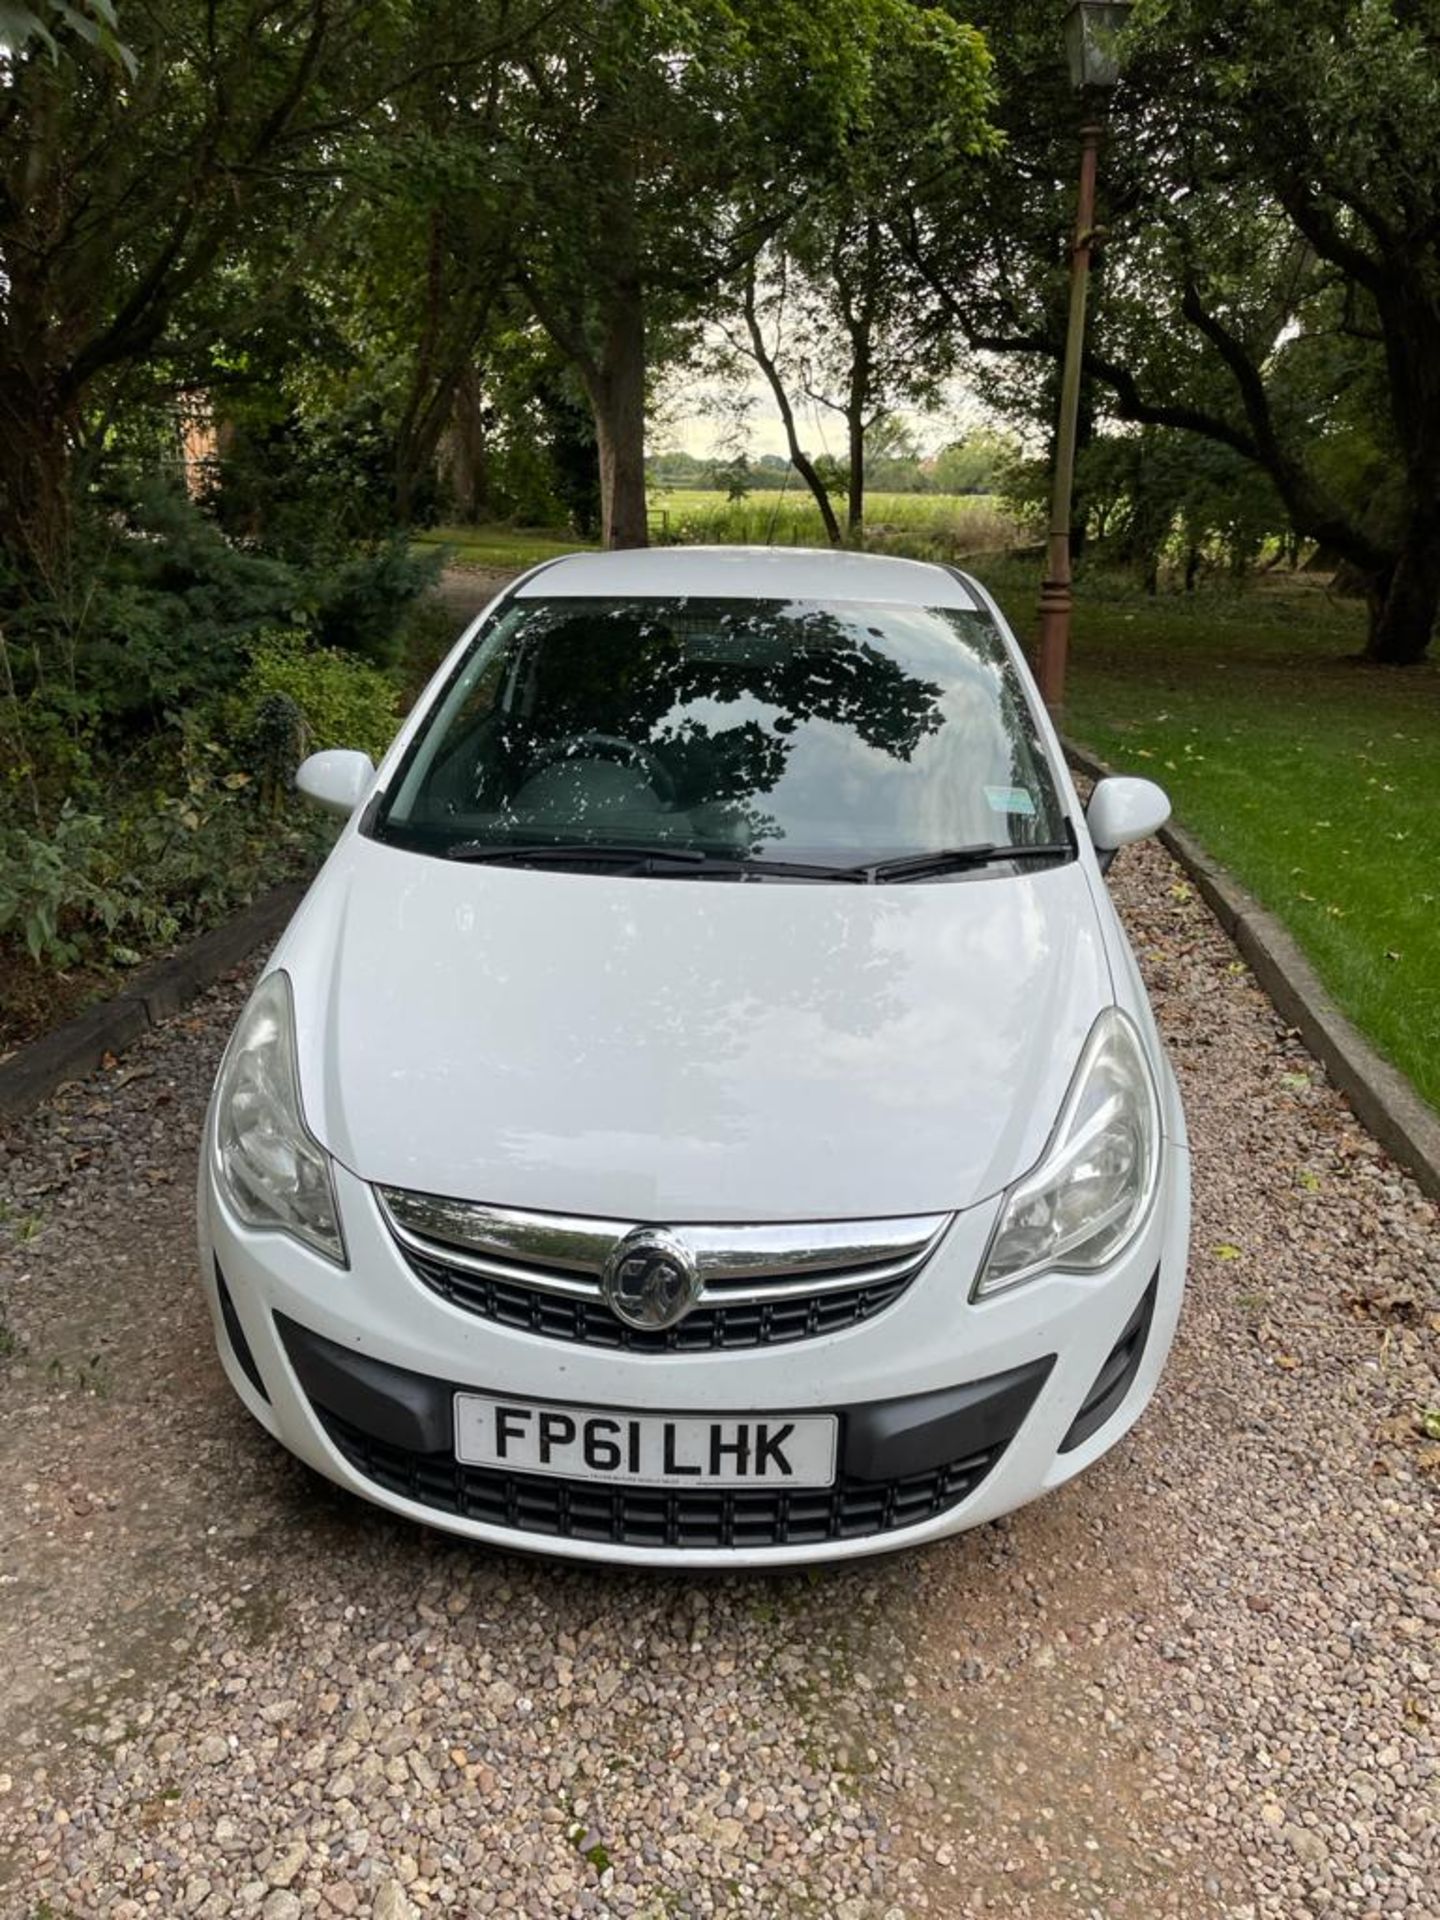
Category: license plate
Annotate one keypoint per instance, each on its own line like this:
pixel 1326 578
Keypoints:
pixel 644 1449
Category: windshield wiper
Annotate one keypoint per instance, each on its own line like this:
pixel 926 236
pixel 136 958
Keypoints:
pixel 695 860
pixel 658 859
pixel 580 853
pixel 919 866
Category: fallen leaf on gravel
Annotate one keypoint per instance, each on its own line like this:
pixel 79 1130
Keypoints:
pixel 1287 1360
pixel 108 1060
pixel 1225 1251
pixel 1396 1310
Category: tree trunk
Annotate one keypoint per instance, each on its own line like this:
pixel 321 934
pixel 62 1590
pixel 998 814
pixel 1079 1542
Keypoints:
pixel 35 443
pixel 1403 607
pixel 409 452
pixel 616 388
pixel 469 454
pixel 859 316
pixel 799 459
pixel 855 500
pixel 807 471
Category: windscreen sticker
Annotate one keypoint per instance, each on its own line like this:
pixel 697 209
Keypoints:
pixel 1009 800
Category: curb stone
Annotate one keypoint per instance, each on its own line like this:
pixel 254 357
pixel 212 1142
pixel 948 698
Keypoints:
pixel 1380 1096
pixel 154 994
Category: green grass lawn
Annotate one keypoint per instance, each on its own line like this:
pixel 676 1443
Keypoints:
pixel 1314 779
pixel 498 546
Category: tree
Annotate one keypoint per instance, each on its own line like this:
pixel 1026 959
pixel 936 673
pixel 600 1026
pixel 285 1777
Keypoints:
pixel 655 146
pixel 118 196
pixel 834 310
pixel 976 464
pixel 164 196
pixel 766 342
pixel 1271 265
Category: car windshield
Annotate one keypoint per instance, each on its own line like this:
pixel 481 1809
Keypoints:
pixel 826 732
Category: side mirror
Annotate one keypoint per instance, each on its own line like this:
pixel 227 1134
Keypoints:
pixel 336 779
pixel 1123 810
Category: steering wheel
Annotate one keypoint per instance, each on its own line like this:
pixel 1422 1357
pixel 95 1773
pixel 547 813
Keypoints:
pixel 610 746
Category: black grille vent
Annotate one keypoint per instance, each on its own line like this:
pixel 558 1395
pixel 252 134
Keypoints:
pixel 240 1346
pixel 1118 1373
pixel 705 1329
pixel 657 1517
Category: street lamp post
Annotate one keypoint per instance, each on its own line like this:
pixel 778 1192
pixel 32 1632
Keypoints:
pixel 1092 28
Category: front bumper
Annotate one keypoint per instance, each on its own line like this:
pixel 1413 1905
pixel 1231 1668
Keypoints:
pixel 952 1412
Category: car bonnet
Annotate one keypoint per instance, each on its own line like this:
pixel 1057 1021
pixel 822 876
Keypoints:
pixel 689 1050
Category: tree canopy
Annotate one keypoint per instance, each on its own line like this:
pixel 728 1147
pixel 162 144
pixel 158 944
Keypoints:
pixel 451 245
pixel 1270 264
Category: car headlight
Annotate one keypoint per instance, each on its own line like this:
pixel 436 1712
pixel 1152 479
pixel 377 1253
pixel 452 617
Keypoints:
pixel 273 1170
pixel 1091 1192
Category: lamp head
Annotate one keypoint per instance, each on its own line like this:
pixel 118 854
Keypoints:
pixel 1092 35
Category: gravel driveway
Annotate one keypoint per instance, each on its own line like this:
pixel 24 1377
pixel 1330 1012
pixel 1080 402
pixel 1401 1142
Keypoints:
pixel 1200 1681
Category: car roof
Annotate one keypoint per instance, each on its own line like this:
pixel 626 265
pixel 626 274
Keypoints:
pixel 749 573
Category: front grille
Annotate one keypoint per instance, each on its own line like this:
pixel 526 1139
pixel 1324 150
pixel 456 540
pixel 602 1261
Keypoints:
pixel 762 1285
pixel 705 1329
pixel 659 1517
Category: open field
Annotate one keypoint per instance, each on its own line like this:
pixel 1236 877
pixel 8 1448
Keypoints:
pixel 934 525
pixel 1311 777
pixel 938 525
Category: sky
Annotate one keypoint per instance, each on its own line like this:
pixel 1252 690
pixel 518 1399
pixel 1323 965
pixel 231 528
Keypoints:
pixel 695 418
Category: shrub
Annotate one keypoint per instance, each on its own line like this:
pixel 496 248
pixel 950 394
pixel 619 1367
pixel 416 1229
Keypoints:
pixel 171 610
pixel 360 606
pixel 309 485
pixel 162 614
pixel 47 880
pixel 338 701
pixel 109 887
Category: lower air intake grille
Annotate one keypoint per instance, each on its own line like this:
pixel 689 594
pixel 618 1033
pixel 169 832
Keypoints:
pixel 658 1517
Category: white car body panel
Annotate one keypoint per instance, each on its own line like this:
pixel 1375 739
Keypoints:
pixel 682 1051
